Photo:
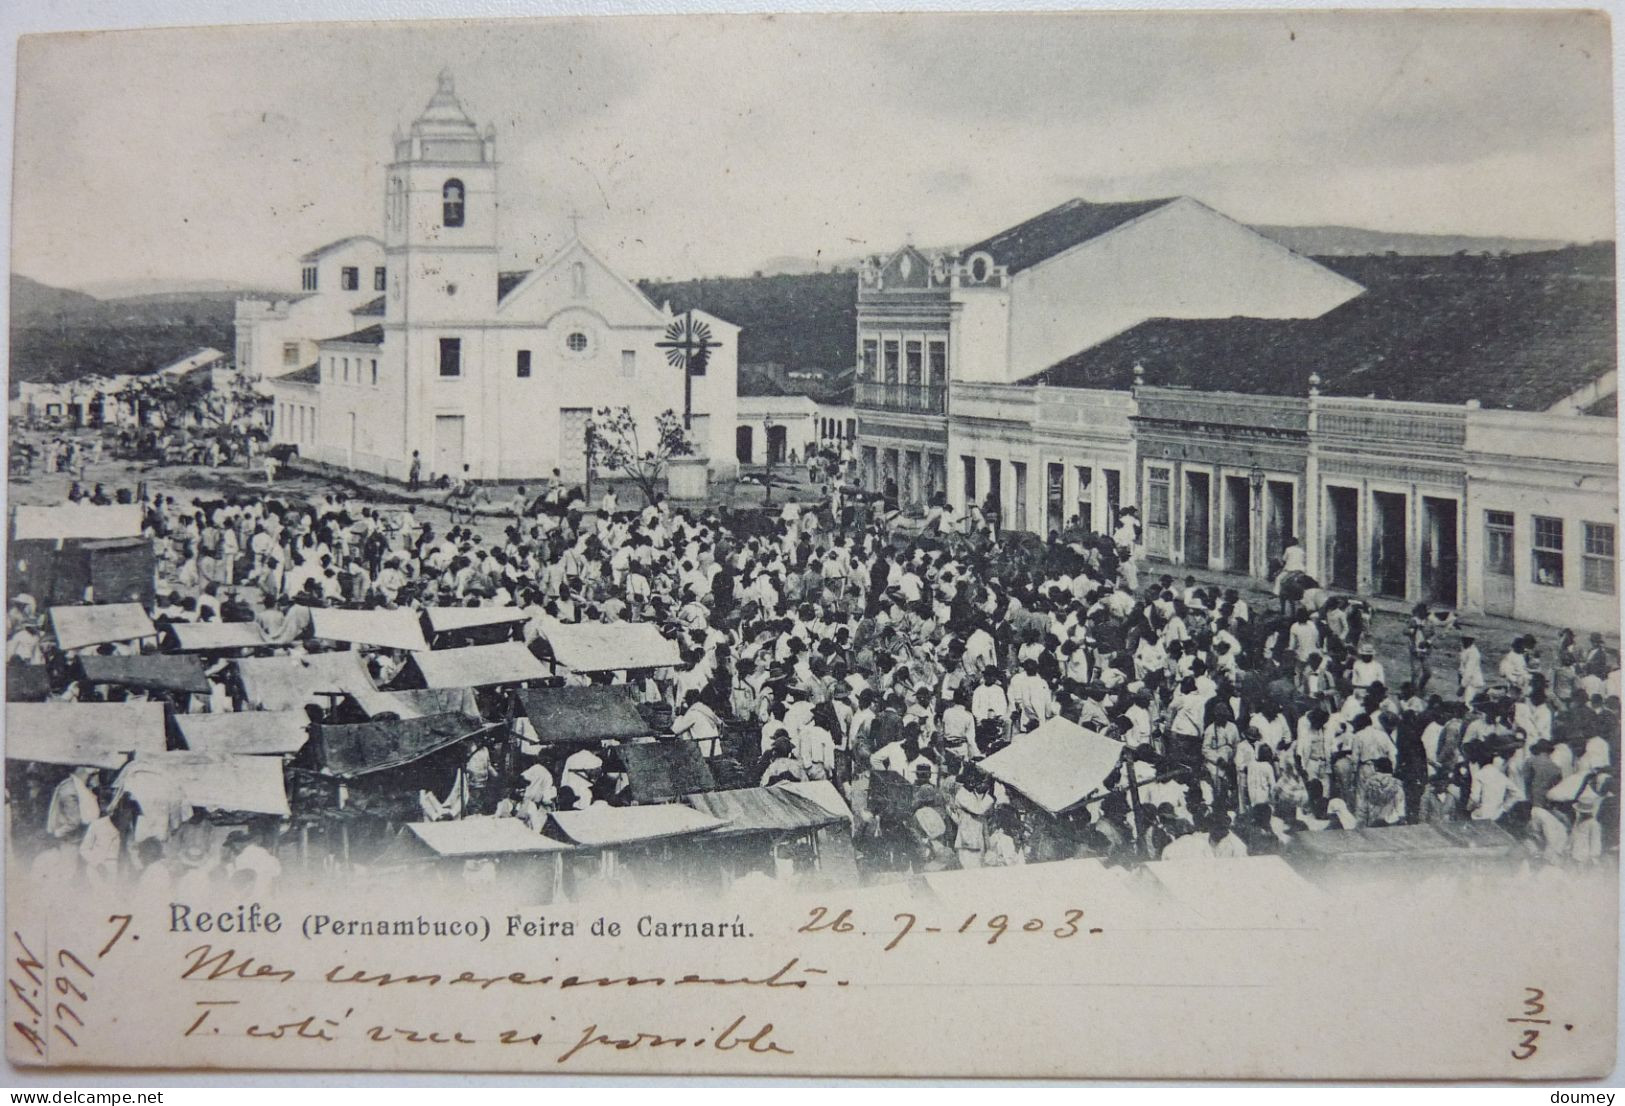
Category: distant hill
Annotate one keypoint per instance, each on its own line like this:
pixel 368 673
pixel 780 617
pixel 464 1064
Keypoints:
pixel 1311 241
pixel 805 321
pixel 138 289
pixel 58 334
pixel 31 298
pixel 1335 241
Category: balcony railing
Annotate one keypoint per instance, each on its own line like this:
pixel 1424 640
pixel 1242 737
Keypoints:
pixel 926 399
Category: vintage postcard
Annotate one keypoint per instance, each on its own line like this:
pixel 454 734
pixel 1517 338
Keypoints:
pixel 1018 545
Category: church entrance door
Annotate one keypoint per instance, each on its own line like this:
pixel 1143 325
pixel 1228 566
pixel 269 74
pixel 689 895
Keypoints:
pixel 448 445
pixel 573 443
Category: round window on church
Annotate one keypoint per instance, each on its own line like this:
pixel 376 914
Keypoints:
pixel 576 342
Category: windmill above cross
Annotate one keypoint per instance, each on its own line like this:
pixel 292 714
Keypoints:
pixel 688 345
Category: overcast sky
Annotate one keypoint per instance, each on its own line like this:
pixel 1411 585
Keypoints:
pixel 708 145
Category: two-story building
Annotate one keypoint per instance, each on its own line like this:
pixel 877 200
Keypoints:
pixel 950 349
pixel 275 337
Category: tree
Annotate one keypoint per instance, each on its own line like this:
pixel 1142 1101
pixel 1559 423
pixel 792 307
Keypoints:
pixel 613 445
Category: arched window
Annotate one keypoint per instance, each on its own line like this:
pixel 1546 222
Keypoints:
pixel 451 203
pixel 578 279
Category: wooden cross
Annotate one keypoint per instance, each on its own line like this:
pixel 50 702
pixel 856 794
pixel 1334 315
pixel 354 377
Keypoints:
pixel 688 346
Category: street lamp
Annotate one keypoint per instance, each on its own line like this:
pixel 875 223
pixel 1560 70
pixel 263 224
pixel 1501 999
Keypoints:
pixel 1255 523
pixel 768 426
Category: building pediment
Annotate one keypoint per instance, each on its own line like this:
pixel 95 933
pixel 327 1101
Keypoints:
pixel 578 280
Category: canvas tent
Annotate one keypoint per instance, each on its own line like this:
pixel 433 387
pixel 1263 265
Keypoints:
pixel 285 683
pixel 76 521
pixel 608 826
pixel 248 732
pixel 346 752
pixel 821 792
pixel 444 619
pixel 240 784
pixel 582 714
pixel 114 566
pixel 383 629
pixel 100 735
pixel 102 624
pixel 27 683
pixel 470 837
pixel 1057 766
pixel 1454 841
pixel 209 637
pixel 479 666
pixel 609 646
pixel 156 672
pixel 660 771
pixel 418 703
pixel 765 810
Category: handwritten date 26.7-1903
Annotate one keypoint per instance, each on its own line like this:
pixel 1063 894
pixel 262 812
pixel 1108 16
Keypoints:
pixel 990 929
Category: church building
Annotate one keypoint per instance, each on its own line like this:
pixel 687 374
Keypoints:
pixel 465 363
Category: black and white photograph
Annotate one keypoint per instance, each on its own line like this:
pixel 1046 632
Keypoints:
pixel 991 525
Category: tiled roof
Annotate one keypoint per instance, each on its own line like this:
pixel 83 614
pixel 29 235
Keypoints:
pixel 317 253
pixel 1060 228
pixel 1520 331
pixel 310 374
pixel 507 282
pixel 367 336
pixel 371 307
pixel 1607 407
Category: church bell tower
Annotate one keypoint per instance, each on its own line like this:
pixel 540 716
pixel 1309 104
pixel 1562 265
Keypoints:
pixel 440 217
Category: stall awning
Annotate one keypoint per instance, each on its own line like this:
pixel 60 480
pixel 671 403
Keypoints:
pixel 771 810
pixel 418 703
pixel 442 619
pixel 96 734
pixel 27 683
pixel 77 627
pixel 207 637
pixel 484 837
pixel 240 784
pixel 586 714
pixel 247 732
pixel 1057 766
pixel 382 629
pixel 1456 841
pixel 607 826
pixel 368 747
pixel 479 666
pixel 608 646
pixel 821 792
pixel 156 671
pixel 74 521
pixel 660 771
pixel 285 683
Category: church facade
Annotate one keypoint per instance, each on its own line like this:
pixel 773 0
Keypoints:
pixel 467 364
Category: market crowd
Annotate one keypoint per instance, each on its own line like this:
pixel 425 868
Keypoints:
pixel 821 641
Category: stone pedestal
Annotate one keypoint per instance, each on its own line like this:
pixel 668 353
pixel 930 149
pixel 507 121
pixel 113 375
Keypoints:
pixel 687 478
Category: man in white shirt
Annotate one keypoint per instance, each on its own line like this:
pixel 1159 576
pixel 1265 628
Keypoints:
pixel 1367 671
pixel 990 701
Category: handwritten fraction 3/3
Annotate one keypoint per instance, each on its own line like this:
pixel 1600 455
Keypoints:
pixel 1529 1041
